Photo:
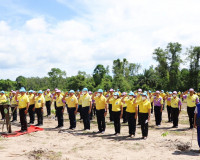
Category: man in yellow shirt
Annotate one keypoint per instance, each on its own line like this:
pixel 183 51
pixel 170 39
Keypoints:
pixel 13 106
pixel 110 105
pixel 39 104
pixel 101 110
pixel 145 114
pixel 86 108
pixel 72 103
pixel 163 95
pixel 23 105
pixel 131 111
pixel 175 109
pixel 48 97
pixel 124 108
pixel 2 99
pixel 60 107
pixel 31 111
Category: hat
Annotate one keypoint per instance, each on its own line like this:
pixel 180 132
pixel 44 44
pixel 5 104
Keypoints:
pixel 85 90
pixel 144 94
pixel 116 94
pixel 111 90
pixel 170 92
pixel 100 91
pixel 158 92
pixel 174 92
pixel 48 90
pixel 2 92
pixel 78 90
pixel 118 90
pixel 13 92
pixel 40 91
pixel 162 91
pixel 139 90
pixel 149 91
pixel 191 90
pixel 71 91
pixel 22 90
pixel 31 91
pixel 131 94
pixel 90 92
pixel 58 91
pixel 124 93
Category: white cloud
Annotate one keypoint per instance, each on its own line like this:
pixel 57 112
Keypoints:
pixel 103 31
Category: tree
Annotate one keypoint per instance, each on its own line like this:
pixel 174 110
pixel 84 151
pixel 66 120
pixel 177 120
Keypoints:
pixel 21 82
pixel 98 74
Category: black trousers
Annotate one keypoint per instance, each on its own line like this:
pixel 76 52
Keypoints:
pixel 31 113
pixel 116 118
pixel 39 113
pixel 144 124
pixel 80 111
pixel 131 123
pixel 2 111
pixel 169 108
pixel 23 119
pixel 59 112
pixel 55 108
pixel 124 115
pixel 110 112
pixel 86 117
pixel 72 117
pixel 48 106
pixel 175 114
pixel 158 115
pixel 151 107
pixel 101 120
pixel 190 111
pixel 14 113
pixel 139 115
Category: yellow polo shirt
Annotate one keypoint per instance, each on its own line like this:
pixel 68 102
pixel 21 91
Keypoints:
pixel 39 100
pixel 144 106
pixel 86 99
pixel 71 101
pixel 48 97
pixel 116 104
pixel 13 101
pixel 191 100
pixel 124 104
pixel 23 101
pixel 100 102
pixel 175 102
pixel 59 102
pixel 3 98
pixel 131 107
pixel 31 100
pixel 169 102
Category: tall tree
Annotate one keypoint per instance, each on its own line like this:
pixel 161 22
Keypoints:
pixel 98 74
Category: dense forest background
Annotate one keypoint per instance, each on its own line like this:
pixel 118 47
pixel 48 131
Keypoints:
pixel 124 75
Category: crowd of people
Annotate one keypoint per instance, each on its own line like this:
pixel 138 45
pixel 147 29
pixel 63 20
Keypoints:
pixel 131 107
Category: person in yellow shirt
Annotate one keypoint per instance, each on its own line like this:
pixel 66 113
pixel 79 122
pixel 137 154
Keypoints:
pixel 110 105
pixel 191 100
pixel 124 108
pixel 13 106
pixel 23 105
pixel 60 107
pixel 48 97
pixel 79 95
pixel 163 95
pixel 131 111
pixel 72 103
pixel 101 110
pixel 145 113
pixel 175 109
pixel 168 97
pixel 2 99
pixel 117 109
pixel 86 108
pixel 31 107
pixel 39 104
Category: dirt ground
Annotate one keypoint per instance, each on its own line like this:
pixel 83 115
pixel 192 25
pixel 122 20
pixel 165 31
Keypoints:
pixel 162 143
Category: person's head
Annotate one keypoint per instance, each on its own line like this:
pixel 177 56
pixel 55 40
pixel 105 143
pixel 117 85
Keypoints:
pixel 90 92
pixel 85 91
pixel 58 92
pixel 2 93
pixel 13 93
pixel 191 90
pixel 174 94
pixel 111 91
pixel 48 90
pixel 139 91
pixel 116 95
pixel 144 96
pixel 40 93
pixel 157 93
pixel 99 92
pixel 149 92
pixel 131 95
pixel 30 92
pixel 71 92
pixel 170 94
pixel 124 94
pixel 22 91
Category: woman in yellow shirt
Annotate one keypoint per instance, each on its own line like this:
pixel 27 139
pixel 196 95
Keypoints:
pixel 117 110
pixel 2 99
pixel 13 106
pixel 131 111
pixel 145 113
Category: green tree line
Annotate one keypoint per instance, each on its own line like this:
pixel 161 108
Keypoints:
pixel 124 75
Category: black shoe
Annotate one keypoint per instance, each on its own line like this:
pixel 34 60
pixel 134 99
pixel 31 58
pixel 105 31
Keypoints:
pixel 40 124
pixel 13 120
pixel 37 125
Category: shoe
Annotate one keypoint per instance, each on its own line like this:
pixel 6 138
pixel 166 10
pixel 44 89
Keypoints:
pixel 73 128
pixel 158 125
pixel 14 121
pixel 37 124
pixel 59 127
pixel 40 124
pixel 87 130
pixel 98 132
pixel 129 135
pixel 102 132
pixel 117 134
pixel 23 131
pixel 145 138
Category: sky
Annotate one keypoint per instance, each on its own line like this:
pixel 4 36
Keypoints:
pixel 73 35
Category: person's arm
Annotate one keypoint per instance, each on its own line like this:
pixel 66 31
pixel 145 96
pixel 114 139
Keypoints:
pixel 108 100
pixel 90 107
pixel 195 117
pixel 26 111
pixel 136 111
pixel 76 109
pixel 106 109
pixel 121 107
pixel 123 99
